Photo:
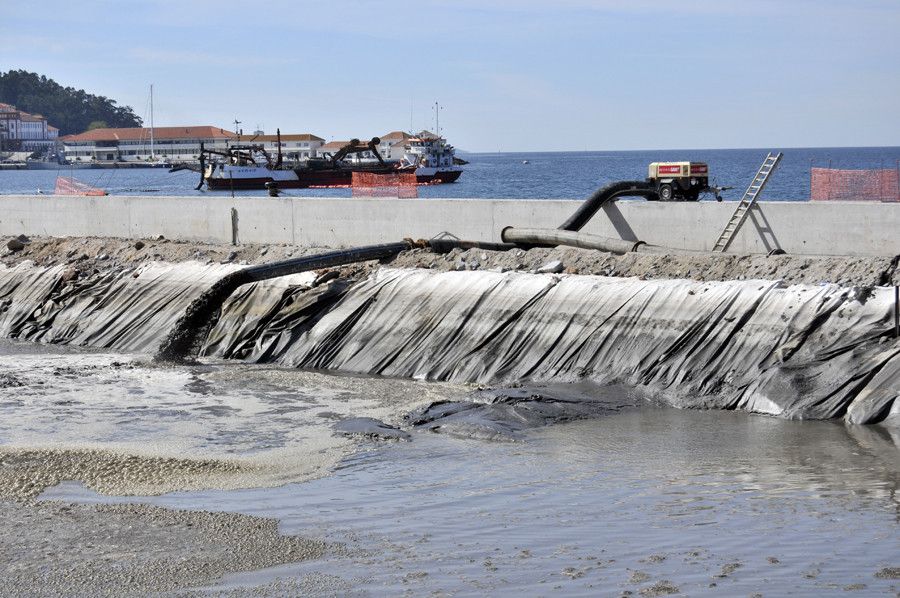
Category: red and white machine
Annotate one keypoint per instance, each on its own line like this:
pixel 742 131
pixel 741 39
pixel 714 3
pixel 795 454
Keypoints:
pixel 679 180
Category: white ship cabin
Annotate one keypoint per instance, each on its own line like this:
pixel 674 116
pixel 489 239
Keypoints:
pixel 429 151
pixel 172 144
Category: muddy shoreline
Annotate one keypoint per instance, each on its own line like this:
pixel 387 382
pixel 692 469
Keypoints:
pixel 53 548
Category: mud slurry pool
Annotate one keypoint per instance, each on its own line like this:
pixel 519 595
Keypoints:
pixel 120 476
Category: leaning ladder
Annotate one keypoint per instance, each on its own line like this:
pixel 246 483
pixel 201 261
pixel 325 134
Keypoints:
pixel 740 214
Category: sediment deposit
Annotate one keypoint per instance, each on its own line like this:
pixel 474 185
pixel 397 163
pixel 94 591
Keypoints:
pixel 56 549
pixel 25 473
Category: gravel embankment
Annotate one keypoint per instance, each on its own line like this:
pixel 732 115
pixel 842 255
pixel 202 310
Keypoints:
pixel 84 255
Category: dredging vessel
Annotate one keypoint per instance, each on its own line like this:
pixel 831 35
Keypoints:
pixel 247 167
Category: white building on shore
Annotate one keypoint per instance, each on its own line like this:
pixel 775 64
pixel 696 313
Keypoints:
pixel 178 144
pixel 182 144
pixel 170 144
pixel 392 147
pixel 294 147
pixel 21 131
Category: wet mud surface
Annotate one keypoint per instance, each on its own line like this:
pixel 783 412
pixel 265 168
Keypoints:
pixel 504 414
pixel 62 549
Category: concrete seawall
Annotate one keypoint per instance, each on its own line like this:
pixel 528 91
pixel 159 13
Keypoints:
pixel 835 228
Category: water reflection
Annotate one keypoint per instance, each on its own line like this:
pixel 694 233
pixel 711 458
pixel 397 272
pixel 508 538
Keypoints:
pixel 768 456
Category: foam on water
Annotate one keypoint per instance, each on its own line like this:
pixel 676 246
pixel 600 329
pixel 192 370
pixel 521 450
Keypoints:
pixel 124 425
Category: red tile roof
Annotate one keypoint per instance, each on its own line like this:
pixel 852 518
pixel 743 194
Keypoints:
pixel 288 137
pixel 395 135
pixel 159 133
pixel 333 145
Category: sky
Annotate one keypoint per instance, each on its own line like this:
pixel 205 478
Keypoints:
pixel 509 75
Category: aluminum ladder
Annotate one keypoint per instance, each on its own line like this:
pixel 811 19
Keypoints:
pixel 740 214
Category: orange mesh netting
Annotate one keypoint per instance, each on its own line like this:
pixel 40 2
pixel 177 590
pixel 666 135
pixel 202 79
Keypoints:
pixel 66 185
pixel 866 185
pixel 396 184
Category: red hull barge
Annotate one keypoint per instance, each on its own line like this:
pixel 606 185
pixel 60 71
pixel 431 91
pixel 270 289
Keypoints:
pixel 316 179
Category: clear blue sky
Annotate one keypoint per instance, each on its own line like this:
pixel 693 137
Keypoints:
pixel 511 75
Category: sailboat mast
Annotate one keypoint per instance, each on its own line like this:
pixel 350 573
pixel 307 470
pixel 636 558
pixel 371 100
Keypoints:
pixel 437 119
pixel 152 152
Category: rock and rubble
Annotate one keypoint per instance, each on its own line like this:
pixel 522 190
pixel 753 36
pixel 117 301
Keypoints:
pixel 83 255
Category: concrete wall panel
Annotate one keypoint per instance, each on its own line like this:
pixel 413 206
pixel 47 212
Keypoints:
pixel 832 228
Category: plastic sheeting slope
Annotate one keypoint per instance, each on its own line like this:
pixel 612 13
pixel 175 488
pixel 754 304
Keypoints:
pixel 126 310
pixel 798 351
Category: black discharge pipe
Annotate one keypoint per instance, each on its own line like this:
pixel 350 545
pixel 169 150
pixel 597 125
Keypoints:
pixel 191 328
pixel 202 167
pixel 448 245
pixel 604 194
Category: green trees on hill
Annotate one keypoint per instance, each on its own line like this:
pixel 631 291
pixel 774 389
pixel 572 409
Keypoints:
pixel 71 110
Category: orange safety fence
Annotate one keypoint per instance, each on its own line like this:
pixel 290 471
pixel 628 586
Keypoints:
pixel 401 185
pixel 66 185
pixel 845 185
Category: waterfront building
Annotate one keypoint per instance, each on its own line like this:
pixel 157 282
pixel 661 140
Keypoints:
pixel 393 145
pixel 21 131
pixel 182 144
pixel 133 144
pixel 294 147
pixel 332 147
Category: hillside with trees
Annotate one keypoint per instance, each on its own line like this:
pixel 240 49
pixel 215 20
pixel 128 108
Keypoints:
pixel 71 110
